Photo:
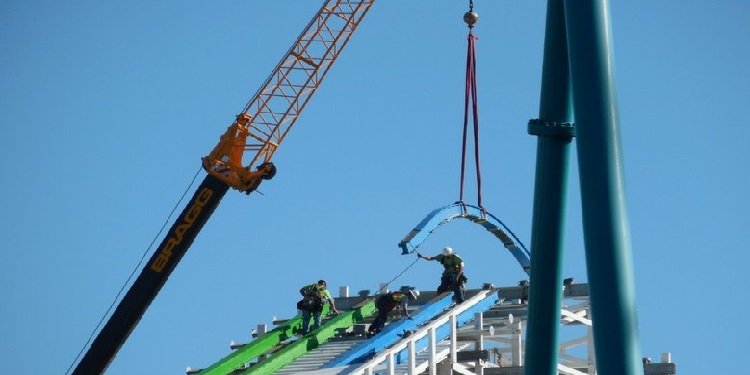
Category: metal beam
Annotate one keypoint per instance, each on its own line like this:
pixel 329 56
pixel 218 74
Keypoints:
pixel 605 224
pixel 257 347
pixel 311 341
pixel 554 130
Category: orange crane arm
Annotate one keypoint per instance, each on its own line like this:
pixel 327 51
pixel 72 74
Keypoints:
pixel 259 128
pixel 273 110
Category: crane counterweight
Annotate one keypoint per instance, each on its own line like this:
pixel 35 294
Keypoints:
pixel 471 18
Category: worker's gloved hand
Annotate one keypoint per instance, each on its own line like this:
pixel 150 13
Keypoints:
pixel 335 312
pixel 419 255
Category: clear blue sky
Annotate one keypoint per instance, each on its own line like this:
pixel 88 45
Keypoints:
pixel 107 107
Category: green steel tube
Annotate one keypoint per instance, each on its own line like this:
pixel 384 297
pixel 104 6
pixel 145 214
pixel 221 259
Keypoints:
pixel 309 342
pixel 257 347
pixel 555 132
pixel 606 229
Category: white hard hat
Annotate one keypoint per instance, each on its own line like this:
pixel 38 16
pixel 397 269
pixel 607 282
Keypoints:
pixel 447 251
pixel 414 293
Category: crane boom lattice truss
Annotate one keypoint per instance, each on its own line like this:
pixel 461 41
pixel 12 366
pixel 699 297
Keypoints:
pixel 273 110
pixel 261 127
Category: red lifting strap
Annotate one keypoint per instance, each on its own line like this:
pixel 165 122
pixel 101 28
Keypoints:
pixel 471 95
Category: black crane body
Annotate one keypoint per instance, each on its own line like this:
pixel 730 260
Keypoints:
pixel 153 276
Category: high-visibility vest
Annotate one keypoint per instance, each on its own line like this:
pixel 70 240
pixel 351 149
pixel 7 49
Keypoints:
pixel 451 263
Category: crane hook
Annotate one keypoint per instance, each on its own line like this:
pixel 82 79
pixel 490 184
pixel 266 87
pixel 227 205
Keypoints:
pixel 471 17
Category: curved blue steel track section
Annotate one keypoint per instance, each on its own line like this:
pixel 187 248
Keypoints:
pixel 442 215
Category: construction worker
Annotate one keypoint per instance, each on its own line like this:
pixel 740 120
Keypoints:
pixel 453 275
pixel 388 302
pixel 314 296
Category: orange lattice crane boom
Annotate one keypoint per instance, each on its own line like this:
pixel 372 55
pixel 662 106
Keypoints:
pixel 241 160
pixel 273 110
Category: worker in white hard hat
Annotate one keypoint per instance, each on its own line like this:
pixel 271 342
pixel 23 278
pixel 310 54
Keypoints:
pixel 453 275
pixel 388 302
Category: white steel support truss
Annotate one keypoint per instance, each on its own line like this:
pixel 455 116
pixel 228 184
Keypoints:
pixel 417 363
pixel 500 331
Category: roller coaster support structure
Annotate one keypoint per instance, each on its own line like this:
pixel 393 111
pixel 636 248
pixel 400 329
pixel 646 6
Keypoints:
pixel 579 67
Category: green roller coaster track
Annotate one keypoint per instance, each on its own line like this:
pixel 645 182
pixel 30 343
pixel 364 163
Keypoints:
pixel 285 354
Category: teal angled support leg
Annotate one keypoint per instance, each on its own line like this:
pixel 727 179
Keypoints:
pixel 554 130
pixel 605 224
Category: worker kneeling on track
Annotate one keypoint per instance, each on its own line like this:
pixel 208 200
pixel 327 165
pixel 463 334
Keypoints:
pixel 386 303
pixel 314 296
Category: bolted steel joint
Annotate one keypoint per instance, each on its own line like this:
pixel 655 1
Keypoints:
pixel 552 129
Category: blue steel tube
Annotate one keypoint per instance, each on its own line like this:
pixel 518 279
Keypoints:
pixel 555 131
pixel 605 224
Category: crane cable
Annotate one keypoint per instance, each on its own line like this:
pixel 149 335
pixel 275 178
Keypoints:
pixel 135 269
pixel 385 286
pixel 470 18
pixel 470 95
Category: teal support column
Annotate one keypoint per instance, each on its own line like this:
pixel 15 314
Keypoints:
pixel 555 131
pixel 605 224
